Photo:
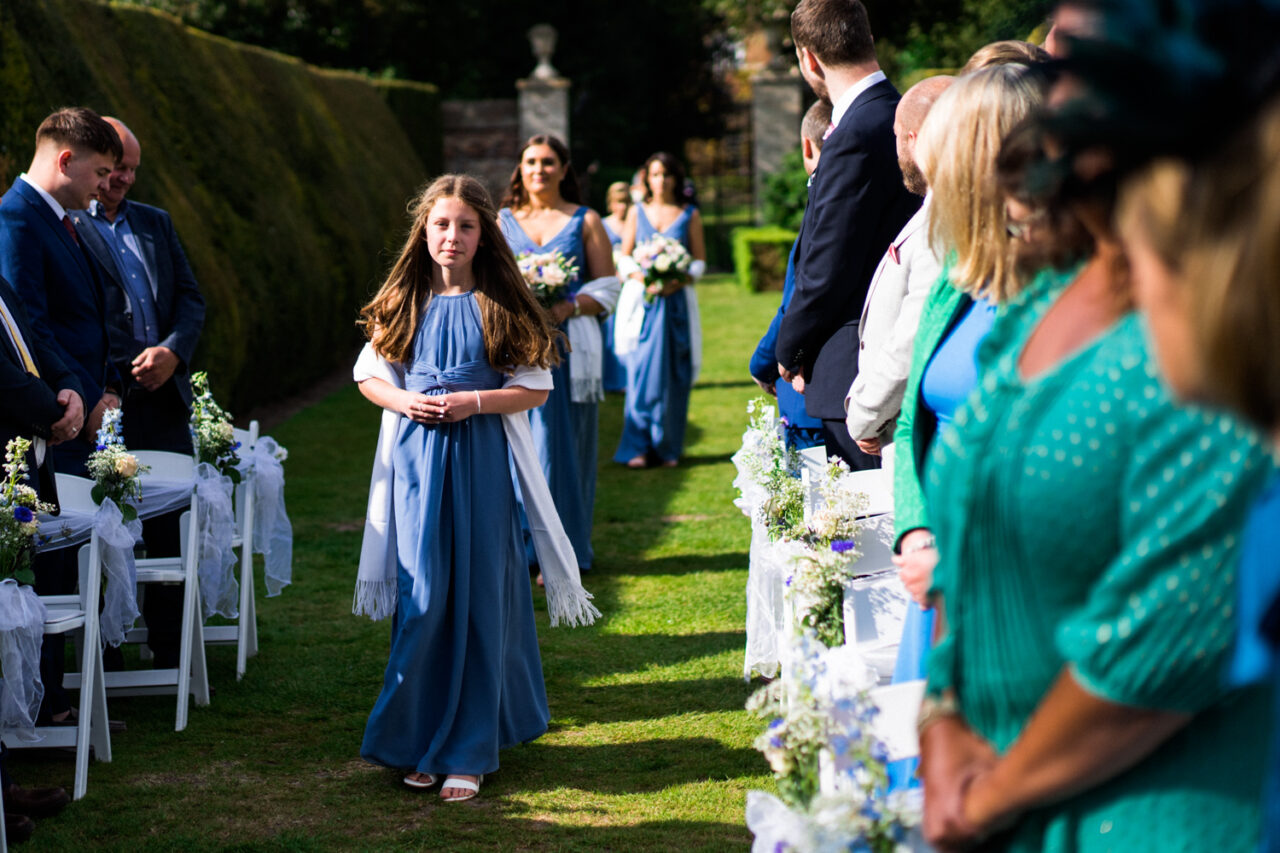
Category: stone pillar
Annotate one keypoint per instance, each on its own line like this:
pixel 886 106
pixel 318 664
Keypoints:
pixel 777 107
pixel 544 94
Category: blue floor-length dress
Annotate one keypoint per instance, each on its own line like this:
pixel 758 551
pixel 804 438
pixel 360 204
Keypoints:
pixel 660 370
pixel 564 432
pixel 464 677
pixel 615 373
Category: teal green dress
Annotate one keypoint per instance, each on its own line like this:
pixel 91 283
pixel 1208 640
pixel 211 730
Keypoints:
pixel 1086 521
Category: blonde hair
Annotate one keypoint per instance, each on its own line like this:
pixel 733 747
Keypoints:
pixel 1218 229
pixel 517 330
pixel 1006 52
pixel 618 191
pixel 956 150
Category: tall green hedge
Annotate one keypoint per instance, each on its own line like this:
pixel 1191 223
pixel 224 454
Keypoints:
pixel 287 183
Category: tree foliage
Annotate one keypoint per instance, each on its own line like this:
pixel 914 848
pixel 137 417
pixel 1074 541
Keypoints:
pixel 644 72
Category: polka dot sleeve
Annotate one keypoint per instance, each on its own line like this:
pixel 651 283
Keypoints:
pixel 1156 629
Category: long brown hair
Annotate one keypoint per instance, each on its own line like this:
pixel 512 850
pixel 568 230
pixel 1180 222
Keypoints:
pixel 516 197
pixel 516 329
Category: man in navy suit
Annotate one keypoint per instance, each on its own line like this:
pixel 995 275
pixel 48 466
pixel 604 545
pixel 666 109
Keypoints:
pixel 61 290
pixel 857 205
pixel 154 317
pixel 40 400
pixel 40 255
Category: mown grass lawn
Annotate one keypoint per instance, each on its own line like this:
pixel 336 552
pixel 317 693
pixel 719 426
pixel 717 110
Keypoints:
pixel 649 748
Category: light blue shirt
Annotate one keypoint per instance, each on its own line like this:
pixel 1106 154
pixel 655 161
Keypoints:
pixel 138 279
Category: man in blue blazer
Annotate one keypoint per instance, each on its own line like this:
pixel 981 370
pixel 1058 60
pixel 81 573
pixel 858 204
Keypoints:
pixel 857 205
pixel 61 291
pixel 155 314
pixel 40 255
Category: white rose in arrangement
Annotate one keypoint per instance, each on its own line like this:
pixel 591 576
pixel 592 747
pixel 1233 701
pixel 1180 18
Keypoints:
pixel 127 465
pixel 662 263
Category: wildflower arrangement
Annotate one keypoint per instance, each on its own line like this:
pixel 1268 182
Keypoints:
pixel 820 578
pixel 820 708
pixel 662 260
pixel 19 527
pixel 548 275
pixel 775 469
pixel 211 430
pixel 114 469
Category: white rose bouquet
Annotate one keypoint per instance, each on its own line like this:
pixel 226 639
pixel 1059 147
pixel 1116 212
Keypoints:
pixel 211 430
pixel 662 260
pixel 548 275
pixel 114 469
pixel 19 526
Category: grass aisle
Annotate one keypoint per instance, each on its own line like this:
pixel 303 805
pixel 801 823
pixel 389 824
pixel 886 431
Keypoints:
pixel 649 748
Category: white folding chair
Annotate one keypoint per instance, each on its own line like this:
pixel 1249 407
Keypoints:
pixel 191 676
pixel 244 634
pixel 79 614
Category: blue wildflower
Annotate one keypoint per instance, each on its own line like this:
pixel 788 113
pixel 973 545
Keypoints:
pixel 840 546
pixel 102 447
pixel 22 514
pixel 775 742
pixel 775 722
pixel 788 580
pixel 839 744
pixel 879 752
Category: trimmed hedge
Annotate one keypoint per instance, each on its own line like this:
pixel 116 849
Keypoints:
pixel 760 256
pixel 287 183
pixel 417 107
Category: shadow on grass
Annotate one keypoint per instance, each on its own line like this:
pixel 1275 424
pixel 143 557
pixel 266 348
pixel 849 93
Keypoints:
pixel 635 767
pixel 616 703
pixel 681 564
pixel 586 656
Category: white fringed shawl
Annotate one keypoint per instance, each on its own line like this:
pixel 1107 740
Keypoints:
pixel 586 363
pixel 376 588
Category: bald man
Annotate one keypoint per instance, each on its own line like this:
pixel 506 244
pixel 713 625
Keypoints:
pixel 155 314
pixel 896 296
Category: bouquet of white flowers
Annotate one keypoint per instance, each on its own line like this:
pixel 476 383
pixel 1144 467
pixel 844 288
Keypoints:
pixel 211 430
pixel 548 275
pixel 662 260
pixel 114 469
pixel 18 507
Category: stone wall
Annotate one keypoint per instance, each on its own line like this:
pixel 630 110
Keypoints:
pixel 482 138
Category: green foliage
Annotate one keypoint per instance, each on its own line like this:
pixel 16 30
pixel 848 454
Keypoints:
pixel 286 183
pixel 786 192
pixel 643 72
pixel 417 108
pixel 760 256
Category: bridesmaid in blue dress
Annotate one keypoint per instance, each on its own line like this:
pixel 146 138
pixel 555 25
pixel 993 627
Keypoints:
pixel 464 678
pixel 618 201
pixel 541 213
pixel 660 370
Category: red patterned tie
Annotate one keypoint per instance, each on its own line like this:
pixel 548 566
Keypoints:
pixel 71 229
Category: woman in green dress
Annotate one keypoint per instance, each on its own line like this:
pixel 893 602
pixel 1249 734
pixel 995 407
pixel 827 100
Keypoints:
pixel 1087 529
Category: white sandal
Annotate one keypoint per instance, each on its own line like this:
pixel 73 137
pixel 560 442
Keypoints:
pixel 464 784
pixel 419 784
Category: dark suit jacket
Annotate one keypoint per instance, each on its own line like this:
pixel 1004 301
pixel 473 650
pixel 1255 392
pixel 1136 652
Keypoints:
pixel 179 305
pixel 29 405
pixel 857 205
pixel 60 287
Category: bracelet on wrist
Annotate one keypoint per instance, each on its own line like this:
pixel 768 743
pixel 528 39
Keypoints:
pixel 923 545
pixel 934 709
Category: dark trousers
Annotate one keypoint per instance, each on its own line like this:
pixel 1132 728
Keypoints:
pixel 159 420
pixel 841 444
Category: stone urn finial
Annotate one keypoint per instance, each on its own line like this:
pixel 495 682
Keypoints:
pixel 542 38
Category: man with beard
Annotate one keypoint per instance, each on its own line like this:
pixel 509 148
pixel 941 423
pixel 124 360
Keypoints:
pixel 857 203
pixel 897 293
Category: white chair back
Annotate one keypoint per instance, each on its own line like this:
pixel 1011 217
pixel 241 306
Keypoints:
pixel 166 465
pixel 75 493
pixel 895 725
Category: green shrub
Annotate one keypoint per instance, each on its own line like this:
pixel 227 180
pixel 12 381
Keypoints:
pixel 786 192
pixel 286 183
pixel 760 257
pixel 417 107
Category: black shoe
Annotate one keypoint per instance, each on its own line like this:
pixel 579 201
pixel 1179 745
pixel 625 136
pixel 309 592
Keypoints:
pixel 36 802
pixel 18 827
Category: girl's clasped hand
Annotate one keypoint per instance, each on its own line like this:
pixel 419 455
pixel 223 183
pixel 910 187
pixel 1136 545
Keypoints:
pixel 440 408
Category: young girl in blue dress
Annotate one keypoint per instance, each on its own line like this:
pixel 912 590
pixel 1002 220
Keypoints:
pixel 458 351
pixel 660 369
pixel 542 213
